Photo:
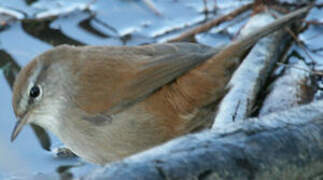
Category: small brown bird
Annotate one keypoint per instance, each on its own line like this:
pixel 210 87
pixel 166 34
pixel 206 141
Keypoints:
pixel 106 103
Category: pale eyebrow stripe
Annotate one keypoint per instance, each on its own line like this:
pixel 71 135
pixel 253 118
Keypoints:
pixel 31 81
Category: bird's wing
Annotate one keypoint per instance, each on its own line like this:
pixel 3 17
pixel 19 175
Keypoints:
pixel 135 73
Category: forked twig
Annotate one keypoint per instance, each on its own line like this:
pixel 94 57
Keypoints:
pixel 208 25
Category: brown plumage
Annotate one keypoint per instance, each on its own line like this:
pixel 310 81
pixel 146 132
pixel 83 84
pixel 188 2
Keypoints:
pixel 106 103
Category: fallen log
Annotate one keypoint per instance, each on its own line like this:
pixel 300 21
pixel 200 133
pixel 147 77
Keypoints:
pixel 248 80
pixel 295 87
pixel 283 145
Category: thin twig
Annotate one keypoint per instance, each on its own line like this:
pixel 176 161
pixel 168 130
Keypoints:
pixel 298 42
pixel 88 5
pixel 151 6
pixel 303 69
pixel 314 22
pixel 208 25
pixel 296 39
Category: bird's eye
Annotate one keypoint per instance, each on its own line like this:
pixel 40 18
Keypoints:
pixel 34 92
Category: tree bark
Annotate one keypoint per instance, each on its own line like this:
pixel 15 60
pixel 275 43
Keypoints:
pixel 249 79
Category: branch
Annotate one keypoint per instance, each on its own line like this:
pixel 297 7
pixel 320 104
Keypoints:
pixel 207 26
pixel 295 87
pixel 251 75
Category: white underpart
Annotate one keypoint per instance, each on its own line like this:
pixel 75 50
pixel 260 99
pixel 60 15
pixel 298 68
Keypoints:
pixel 49 116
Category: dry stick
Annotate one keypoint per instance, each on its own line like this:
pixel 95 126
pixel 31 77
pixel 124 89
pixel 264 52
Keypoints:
pixel 293 88
pixel 207 26
pixel 314 22
pixel 205 6
pixel 299 43
pixel 296 39
pixel 152 7
pixel 248 79
pixel 88 6
pixel 303 69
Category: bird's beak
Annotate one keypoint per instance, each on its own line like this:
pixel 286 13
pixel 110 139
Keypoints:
pixel 18 127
